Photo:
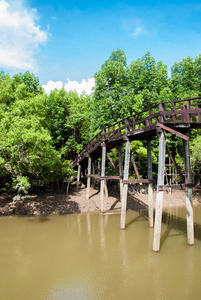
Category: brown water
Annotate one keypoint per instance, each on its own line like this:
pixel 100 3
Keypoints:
pixel 87 256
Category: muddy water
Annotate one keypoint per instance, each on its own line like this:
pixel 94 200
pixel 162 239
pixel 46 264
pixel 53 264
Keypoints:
pixel 87 256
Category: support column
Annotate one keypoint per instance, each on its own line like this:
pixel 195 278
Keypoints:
pixel 102 183
pixel 78 176
pixel 159 196
pixel 150 186
pixel 120 171
pixel 105 188
pixel 189 198
pixel 125 186
pixel 88 178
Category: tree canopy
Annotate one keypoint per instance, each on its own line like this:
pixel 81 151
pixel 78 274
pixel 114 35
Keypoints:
pixel 40 134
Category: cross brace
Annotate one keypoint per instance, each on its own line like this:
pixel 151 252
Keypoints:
pixel 183 136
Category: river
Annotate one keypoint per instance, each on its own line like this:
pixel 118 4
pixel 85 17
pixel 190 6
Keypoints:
pixel 87 256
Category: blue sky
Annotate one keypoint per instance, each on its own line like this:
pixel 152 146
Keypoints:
pixel 57 40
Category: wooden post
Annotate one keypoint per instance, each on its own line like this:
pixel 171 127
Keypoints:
pixel 150 186
pixel 159 196
pixel 105 188
pixel 120 171
pixel 99 168
pixel 102 184
pixel 189 199
pixel 93 172
pixel 125 186
pixel 88 178
pixel 78 176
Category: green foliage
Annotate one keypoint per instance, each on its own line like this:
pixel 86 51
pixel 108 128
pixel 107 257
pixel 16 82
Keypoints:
pixel 122 90
pixel 6 90
pixel 195 155
pixel 186 78
pixel 30 82
pixel 148 78
pixel 40 134
pixel 21 185
pixel 57 111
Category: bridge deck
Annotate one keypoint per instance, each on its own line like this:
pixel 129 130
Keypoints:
pixel 178 115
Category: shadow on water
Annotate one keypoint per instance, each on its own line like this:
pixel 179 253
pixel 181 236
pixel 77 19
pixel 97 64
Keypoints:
pixel 39 219
pixel 142 215
pixel 173 222
pixel 34 219
pixel 180 225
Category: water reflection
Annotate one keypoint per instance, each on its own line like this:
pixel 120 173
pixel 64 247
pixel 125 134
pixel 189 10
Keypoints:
pixel 87 256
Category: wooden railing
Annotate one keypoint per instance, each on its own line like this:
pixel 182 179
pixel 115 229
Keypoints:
pixel 173 112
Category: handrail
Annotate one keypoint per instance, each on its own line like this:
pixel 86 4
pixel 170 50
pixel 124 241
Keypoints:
pixel 177 114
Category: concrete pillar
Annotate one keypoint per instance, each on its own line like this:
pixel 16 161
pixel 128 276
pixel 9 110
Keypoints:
pixel 88 178
pixel 120 171
pixel 102 183
pixel 78 176
pixel 150 185
pixel 159 195
pixel 189 198
pixel 125 185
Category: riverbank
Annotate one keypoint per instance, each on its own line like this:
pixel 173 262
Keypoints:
pixel 45 203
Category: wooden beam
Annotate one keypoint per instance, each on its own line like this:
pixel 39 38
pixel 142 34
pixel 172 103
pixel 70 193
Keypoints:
pixel 110 177
pixel 138 180
pixel 94 176
pixel 112 163
pixel 181 186
pixel 134 166
pixel 175 164
pixel 179 134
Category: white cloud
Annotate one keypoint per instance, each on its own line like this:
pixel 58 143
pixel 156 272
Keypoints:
pixel 20 37
pixel 51 86
pixel 138 31
pixel 84 86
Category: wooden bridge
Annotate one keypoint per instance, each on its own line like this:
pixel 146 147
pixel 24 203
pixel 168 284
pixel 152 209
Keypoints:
pixel 177 117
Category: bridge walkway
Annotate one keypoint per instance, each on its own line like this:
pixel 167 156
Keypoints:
pixel 177 117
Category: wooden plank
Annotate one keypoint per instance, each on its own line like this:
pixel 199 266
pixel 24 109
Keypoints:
pixel 181 186
pixel 112 163
pixel 94 176
pixel 110 177
pixel 134 166
pixel 175 164
pixel 162 110
pixel 138 181
pixel 183 136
